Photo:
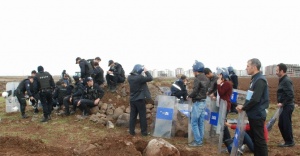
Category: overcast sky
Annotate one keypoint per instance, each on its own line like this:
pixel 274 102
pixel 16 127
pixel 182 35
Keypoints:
pixel 160 34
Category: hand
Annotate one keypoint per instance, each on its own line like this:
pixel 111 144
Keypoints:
pixel 70 99
pixel 219 81
pixel 78 103
pixel 145 69
pixel 96 102
pixel 31 98
pixel 279 104
pixel 239 108
pixel 227 124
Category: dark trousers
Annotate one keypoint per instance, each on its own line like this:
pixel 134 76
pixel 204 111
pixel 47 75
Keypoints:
pixel 111 80
pixel 46 101
pixel 285 124
pixel 138 107
pixel 257 136
pixel 85 105
pixel 22 102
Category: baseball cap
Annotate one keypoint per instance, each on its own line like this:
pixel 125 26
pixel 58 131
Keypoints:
pixel 110 62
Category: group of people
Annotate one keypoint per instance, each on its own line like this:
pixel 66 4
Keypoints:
pixel 207 83
pixel 88 91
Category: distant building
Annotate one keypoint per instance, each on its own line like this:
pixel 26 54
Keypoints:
pixel 179 71
pixel 293 70
pixel 189 73
pixel 169 73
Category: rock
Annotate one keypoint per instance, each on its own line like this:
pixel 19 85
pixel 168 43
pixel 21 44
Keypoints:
pixel 104 106
pixel 118 112
pixel 110 112
pixel 95 110
pixel 123 120
pixel 94 118
pixel 109 125
pixel 148 115
pixel 160 147
pixel 127 110
pixel 149 106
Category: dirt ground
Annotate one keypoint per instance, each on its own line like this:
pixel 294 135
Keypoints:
pixel 70 136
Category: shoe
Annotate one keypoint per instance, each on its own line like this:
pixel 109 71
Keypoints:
pixel 286 145
pixel 44 120
pixel 194 144
pixel 49 117
pixel 24 116
pixel 145 134
pixel 132 133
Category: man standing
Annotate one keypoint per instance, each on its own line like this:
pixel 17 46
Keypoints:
pixel 45 85
pixel 23 87
pixel 139 92
pixel 198 97
pixel 255 107
pixel 285 99
pixel 86 69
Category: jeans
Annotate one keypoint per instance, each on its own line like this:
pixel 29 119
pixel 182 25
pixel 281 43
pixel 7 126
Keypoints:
pixel 197 121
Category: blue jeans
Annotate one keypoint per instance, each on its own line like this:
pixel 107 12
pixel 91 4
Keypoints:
pixel 197 121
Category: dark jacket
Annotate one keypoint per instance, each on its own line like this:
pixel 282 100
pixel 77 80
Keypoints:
pixel 200 88
pixel 234 79
pixel 98 78
pixel 43 80
pixel 118 71
pixel 138 86
pixel 255 107
pixel 212 85
pixel 178 89
pixel 285 91
pixel 78 89
pixel 92 93
pixel 86 69
pixel 24 86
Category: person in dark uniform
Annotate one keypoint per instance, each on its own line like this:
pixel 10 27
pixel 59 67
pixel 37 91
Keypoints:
pixel 86 69
pixel 285 99
pixel 22 89
pixel 139 92
pixel 60 93
pixel 45 85
pixel 256 107
pixel 36 96
pixel 178 88
pixel 98 74
pixel 75 96
pixel 114 75
pixel 90 97
pixel 235 82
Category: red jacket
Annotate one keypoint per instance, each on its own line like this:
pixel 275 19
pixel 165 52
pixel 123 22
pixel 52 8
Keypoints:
pixel 225 92
pixel 247 128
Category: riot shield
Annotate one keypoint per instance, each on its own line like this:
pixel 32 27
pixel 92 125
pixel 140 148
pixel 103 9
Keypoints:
pixel 12 103
pixel 211 121
pixel 273 119
pixel 165 90
pixel 238 96
pixel 221 121
pixel 239 134
pixel 182 120
pixel 164 116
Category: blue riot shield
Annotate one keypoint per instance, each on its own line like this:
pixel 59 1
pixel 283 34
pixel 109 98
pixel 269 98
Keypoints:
pixel 221 123
pixel 164 116
pixel 239 134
